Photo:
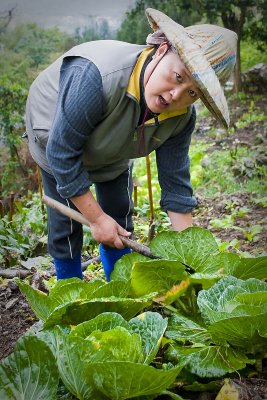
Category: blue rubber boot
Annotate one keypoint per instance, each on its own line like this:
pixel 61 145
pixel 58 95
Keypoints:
pixel 69 268
pixel 109 256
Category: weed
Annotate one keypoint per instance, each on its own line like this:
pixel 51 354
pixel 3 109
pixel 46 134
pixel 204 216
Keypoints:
pixel 217 175
pixel 229 220
pixel 233 244
pixel 249 117
pixel 224 223
pixel 252 233
pixel 256 185
pixel 242 212
pixel 262 201
pixel 240 97
pixel 229 171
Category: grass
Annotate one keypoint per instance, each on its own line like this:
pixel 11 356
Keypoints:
pixel 223 173
pixel 251 55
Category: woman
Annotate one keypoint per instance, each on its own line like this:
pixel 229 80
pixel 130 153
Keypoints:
pixel 105 103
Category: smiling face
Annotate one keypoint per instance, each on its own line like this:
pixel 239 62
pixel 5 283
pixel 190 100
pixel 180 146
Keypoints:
pixel 168 87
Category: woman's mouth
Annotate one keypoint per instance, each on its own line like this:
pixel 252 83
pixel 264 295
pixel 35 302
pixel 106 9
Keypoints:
pixel 162 102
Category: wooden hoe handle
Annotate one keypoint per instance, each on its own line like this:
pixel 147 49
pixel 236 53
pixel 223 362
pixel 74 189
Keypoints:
pixel 76 216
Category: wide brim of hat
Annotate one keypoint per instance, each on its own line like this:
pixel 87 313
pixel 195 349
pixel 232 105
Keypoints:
pixel 211 91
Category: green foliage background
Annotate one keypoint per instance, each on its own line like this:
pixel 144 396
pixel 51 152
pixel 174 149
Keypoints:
pixel 27 49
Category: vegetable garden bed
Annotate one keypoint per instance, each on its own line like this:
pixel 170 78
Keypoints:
pixel 210 350
pixel 189 320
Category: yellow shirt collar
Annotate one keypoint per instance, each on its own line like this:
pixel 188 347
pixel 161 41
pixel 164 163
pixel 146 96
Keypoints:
pixel 133 88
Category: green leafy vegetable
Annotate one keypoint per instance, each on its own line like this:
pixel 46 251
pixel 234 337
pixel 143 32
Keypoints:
pixel 235 310
pixel 123 267
pixel 112 363
pixel 194 247
pixel 184 329
pixel 156 276
pixel 208 361
pixel 126 380
pixel 116 344
pixel 74 313
pixel 30 372
pixel 250 268
pixel 150 326
pixel 102 322
pixel 73 301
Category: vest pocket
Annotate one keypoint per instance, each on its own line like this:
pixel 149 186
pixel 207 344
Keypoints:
pixel 41 137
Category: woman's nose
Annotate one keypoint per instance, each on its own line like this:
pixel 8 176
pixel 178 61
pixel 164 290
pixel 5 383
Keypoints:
pixel 177 92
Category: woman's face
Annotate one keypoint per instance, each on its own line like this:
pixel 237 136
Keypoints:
pixel 170 86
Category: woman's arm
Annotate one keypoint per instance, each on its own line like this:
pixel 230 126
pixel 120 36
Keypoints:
pixel 174 177
pixel 80 107
pixel 103 228
pixel 180 221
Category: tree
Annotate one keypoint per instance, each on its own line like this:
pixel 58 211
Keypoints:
pixel 38 44
pixel 245 17
pixel 27 48
pixel 95 30
pixel 12 107
pixel 5 18
pixel 256 28
pixel 104 30
pixel 135 26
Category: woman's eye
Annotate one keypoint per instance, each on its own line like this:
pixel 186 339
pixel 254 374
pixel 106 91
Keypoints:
pixel 192 93
pixel 178 77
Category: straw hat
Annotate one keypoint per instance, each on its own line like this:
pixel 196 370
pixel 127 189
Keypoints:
pixel 209 53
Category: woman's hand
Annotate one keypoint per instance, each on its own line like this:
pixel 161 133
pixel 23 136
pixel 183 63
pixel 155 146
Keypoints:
pixel 103 227
pixel 106 230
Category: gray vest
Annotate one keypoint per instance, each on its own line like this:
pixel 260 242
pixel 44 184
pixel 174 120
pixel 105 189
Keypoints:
pixel 116 139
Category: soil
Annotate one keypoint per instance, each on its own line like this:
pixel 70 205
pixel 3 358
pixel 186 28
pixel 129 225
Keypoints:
pixel 15 314
pixel 252 136
pixel 215 207
pixel 16 317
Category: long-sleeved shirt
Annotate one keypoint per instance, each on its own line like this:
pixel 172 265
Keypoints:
pixel 80 107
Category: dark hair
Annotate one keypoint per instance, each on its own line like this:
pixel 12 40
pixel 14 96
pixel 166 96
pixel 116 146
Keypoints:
pixel 157 38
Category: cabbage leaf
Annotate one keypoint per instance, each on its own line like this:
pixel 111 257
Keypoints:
pixel 30 372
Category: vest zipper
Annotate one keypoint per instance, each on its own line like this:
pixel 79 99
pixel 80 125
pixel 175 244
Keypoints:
pixel 156 119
